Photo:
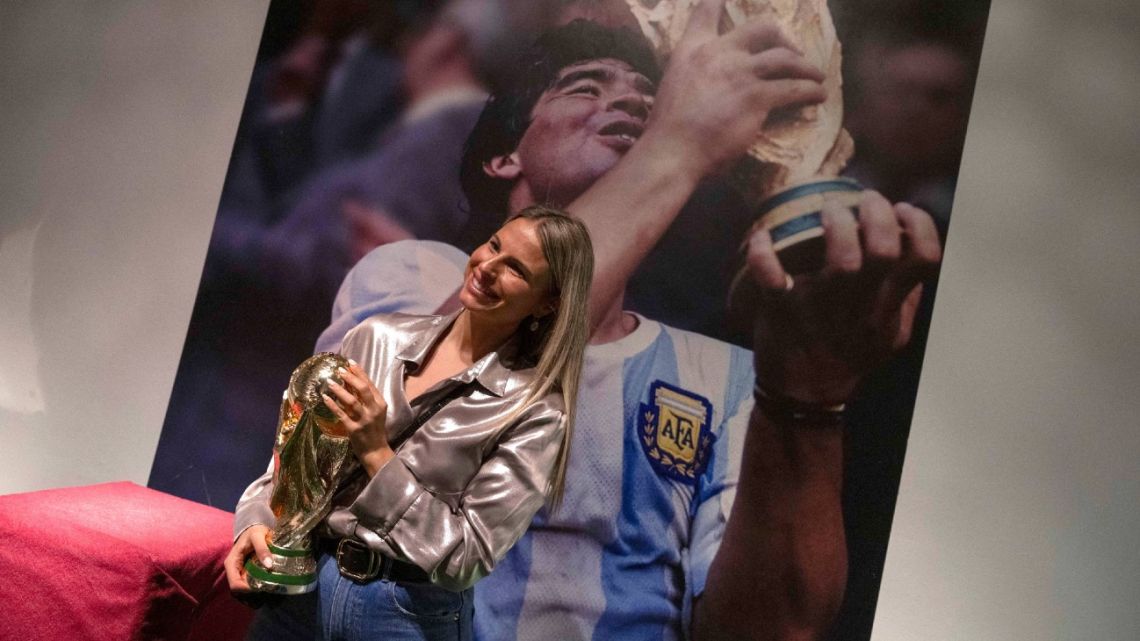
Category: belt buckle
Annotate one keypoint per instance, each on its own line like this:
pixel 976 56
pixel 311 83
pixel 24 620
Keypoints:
pixel 352 547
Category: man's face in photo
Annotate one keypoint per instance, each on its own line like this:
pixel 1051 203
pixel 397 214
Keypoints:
pixel 580 127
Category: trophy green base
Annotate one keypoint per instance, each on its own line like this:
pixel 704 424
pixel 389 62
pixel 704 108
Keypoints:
pixel 294 572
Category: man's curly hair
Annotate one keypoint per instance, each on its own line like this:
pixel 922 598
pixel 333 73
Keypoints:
pixel 507 115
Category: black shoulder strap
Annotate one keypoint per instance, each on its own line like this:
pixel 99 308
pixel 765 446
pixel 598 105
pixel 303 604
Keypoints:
pixel 425 415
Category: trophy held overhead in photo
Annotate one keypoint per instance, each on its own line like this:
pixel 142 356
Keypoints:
pixel 792 168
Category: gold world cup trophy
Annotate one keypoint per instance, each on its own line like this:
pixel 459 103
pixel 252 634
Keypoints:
pixel 792 168
pixel 311 456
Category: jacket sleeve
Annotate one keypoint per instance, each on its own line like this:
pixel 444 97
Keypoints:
pixel 459 542
pixel 253 506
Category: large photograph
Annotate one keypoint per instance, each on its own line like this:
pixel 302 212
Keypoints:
pixel 767 186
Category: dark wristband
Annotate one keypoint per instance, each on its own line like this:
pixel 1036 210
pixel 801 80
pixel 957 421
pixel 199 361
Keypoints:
pixel 784 410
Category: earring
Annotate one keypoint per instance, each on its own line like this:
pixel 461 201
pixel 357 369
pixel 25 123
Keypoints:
pixel 534 325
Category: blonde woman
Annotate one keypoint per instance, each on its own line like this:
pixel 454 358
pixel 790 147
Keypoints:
pixel 461 425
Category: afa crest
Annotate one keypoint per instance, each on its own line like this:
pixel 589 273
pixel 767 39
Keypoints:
pixel 674 431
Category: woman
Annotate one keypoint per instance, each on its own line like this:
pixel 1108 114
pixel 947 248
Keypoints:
pixel 461 425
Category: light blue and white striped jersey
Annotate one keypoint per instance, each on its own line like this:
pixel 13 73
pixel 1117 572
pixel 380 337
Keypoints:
pixel 654 461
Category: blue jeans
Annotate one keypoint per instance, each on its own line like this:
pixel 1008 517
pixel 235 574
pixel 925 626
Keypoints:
pixel 343 610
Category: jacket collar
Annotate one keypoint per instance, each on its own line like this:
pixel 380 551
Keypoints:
pixel 494 372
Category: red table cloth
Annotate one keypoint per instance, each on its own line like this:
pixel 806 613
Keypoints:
pixel 114 561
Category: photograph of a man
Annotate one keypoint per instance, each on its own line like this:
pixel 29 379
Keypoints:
pixel 705 489
pixel 742 533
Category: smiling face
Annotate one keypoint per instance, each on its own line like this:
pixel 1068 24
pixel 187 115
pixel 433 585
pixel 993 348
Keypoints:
pixel 580 127
pixel 507 278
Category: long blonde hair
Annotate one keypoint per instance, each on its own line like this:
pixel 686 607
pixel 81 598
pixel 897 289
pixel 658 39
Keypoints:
pixel 562 339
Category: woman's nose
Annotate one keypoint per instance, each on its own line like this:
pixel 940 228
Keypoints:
pixel 487 270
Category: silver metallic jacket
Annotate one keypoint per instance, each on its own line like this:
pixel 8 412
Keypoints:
pixel 463 487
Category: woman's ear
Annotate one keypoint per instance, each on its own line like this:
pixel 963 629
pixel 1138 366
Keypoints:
pixel 504 167
pixel 548 308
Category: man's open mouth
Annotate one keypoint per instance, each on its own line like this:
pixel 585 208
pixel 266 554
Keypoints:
pixel 624 130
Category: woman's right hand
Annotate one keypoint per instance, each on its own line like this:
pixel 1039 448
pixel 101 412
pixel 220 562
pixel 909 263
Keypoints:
pixel 250 542
pixel 362 411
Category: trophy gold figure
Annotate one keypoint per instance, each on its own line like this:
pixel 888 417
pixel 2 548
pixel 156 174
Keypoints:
pixel 793 166
pixel 311 456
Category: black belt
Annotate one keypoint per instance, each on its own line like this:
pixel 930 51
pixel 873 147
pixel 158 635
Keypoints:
pixel 362 564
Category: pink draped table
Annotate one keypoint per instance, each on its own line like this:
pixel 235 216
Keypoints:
pixel 115 561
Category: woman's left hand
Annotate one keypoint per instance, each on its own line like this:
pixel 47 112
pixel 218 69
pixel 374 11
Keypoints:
pixel 363 412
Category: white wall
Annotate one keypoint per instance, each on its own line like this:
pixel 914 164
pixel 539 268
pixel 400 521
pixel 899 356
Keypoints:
pixel 118 122
pixel 1018 514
